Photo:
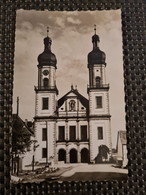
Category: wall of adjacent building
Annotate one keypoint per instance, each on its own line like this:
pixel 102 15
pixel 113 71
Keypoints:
pixel 125 159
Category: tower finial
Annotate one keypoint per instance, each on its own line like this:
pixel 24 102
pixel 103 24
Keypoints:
pixel 72 87
pixel 95 28
pixel 47 31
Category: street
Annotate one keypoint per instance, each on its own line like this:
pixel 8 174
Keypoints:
pixel 85 172
pixel 76 172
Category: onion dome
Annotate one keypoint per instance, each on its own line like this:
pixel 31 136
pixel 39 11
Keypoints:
pixel 96 56
pixel 47 58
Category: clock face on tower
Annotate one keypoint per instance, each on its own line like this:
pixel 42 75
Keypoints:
pixel 45 72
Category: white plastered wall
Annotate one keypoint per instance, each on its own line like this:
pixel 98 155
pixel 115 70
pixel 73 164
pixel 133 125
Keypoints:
pixel 72 123
pixel 99 71
pixel 50 76
pixel 105 102
pixel 94 141
pixel 42 144
pixel 52 104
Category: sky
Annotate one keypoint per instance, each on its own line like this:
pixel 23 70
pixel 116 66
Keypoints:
pixel 71 34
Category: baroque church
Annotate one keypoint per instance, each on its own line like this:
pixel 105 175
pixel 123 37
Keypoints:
pixel 72 129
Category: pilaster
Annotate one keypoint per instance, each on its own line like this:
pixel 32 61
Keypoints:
pixel 67 130
pixel 78 154
pixel 78 134
pixel 67 155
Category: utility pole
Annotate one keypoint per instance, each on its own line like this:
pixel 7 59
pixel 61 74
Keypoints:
pixel 17 106
pixel 34 148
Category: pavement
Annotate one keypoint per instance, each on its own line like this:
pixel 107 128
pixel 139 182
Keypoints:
pixel 93 168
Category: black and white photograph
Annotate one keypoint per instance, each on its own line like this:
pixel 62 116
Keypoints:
pixel 68 121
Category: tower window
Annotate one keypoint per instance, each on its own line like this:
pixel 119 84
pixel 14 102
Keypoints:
pixel 84 132
pixel 44 152
pixel 45 103
pixel 61 133
pixel 97 81
pixel 44 134
pixel 45 82
pixel 99 102
pixel 72 133
pixel 100 132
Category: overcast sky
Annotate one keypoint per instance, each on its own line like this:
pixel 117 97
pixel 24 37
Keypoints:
pixel 71 34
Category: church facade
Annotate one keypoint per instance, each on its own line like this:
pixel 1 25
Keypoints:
pixel 72 129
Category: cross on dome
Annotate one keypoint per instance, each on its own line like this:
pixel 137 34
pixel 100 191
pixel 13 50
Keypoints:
pixel 47 57
pixel 96 56
pixel 47 31
pixel 72 87
pixel 95 28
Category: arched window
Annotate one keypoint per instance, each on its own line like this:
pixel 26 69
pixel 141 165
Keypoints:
pixel 45 82
pixel 97 81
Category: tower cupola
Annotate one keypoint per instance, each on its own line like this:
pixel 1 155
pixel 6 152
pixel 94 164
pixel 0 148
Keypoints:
pixel 47 58
pixel 96 56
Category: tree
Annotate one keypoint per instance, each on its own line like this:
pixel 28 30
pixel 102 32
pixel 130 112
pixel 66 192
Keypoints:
pixel 21 141
pixel 104 151
pixel 103 154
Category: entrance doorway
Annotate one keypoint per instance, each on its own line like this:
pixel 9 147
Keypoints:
pixel 73 156
pixel 62 155
pixel 85 155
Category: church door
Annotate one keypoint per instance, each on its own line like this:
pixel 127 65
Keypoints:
pixel 84 155
pixel 73 156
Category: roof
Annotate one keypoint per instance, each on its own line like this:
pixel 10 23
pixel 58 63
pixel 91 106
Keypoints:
pixel 96 56
pixel 47 57
pixel 28 125
pixel 122 136
pixel 82 99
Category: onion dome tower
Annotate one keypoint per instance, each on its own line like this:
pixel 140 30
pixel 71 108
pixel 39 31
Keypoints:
pixel 96 64
pixel 45 103
pixel 96 56
pixel 98 91
pixel 46 90
pixel 47 57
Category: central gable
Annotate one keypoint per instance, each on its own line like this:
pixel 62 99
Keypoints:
pixel 73 104
pixel 71 94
